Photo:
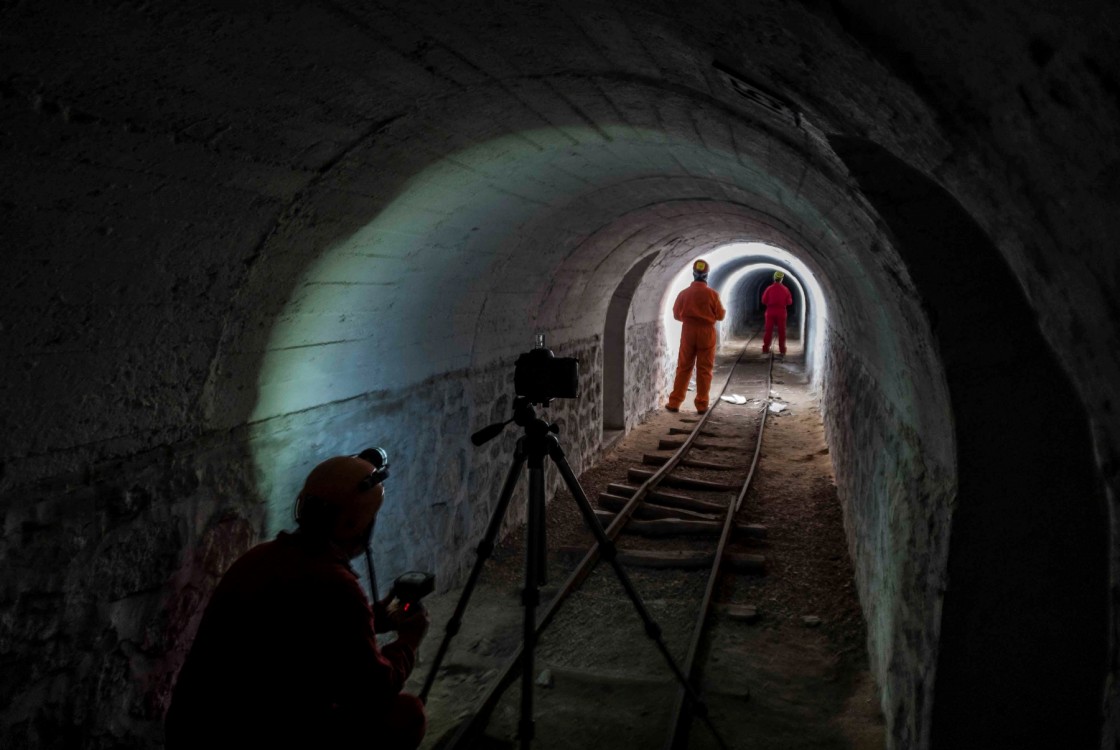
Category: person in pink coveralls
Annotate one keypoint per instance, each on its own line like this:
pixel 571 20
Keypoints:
pixel 776 298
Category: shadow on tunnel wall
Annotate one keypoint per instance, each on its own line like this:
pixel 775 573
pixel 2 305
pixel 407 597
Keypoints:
pixel 1023 645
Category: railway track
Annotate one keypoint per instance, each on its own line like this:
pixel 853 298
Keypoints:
pixel 677 514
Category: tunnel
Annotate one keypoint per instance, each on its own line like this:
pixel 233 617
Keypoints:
pixel 241 238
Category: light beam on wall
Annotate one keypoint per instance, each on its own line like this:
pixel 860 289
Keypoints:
pixel 444 279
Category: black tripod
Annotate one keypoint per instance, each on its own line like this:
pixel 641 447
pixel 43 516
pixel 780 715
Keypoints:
pixel 539 440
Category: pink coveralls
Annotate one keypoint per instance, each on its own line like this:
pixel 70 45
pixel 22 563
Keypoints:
pixel 776 298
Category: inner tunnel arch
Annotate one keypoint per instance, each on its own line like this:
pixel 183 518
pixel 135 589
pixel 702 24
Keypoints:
pixel 440 304
pixel 745 290
pixel 1028 545
pixel 734 264
pixel 615 346
pixel 163 228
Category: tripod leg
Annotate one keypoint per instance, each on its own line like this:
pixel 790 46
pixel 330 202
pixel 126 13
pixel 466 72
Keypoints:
pixel 608 552
pixel 484 550
pixel 530 595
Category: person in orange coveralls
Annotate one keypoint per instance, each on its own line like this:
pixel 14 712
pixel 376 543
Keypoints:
pixel 698 308
pixel 776 298
pixel 285 655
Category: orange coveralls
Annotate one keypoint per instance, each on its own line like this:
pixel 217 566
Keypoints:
pixel 698 308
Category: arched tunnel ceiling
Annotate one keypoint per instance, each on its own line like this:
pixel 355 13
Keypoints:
pixel 481 227
pixel 268 139
pixel 223 216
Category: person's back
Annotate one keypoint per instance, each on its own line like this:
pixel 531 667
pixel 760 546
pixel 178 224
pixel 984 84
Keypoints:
pixel 776 297
pixel 698 304
pixel 698 308
pixel 284 651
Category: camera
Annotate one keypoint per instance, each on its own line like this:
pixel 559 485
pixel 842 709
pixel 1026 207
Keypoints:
pixel 540 376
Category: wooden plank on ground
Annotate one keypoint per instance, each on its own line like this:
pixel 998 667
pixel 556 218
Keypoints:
pixel 742 562
pixel 662 526
pixel 667 444
pixel 648 510
pixel 740 612
pixel 671 499
pixel 652 459
pixel 640 475
pixel 679 559
pixel 682 431
pixel 659 527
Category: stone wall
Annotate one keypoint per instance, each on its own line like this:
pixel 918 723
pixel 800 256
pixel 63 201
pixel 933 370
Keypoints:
pixel 897 510
pixel 150 219
pixel 109 571
pixel 646 380
pixel 113 568
pixel 107 575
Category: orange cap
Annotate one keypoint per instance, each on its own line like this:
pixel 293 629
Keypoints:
pixel 337 497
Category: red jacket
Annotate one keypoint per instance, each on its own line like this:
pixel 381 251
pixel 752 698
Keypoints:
pixel 698 304
pixel 777 298
pixel 286 653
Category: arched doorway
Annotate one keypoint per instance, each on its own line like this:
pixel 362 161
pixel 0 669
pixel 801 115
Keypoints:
pixel 614 346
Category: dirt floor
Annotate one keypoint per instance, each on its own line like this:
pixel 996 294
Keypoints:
pixel 778 681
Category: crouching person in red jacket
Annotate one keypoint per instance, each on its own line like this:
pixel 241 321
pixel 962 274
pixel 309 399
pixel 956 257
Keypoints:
pixel 286 655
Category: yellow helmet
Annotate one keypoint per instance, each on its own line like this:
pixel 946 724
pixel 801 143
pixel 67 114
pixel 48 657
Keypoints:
pixel 778 276
pixel 700 269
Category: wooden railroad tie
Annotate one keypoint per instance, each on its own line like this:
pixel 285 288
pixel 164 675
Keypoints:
pixel 670 499
pixel 681 559
pixel 681 431
pixel 666 444
pixel 652 459
pixel 740 612
pixel 650 510
pixel 745 562
pixel 671 525
pixel 641 475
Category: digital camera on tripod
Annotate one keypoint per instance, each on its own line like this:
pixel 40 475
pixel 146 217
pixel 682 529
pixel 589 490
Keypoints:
pixel 540 377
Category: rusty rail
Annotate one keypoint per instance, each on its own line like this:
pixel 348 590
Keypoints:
pixel 471 726
pixel 680 717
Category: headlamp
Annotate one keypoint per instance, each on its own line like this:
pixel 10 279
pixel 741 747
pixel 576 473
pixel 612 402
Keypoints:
pixel 380 460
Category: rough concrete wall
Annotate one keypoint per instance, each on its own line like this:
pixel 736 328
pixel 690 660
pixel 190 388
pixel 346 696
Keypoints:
pixel 111 570
pixel 897 510
pixel 139 201
pixel 1024 538
pixel 442 489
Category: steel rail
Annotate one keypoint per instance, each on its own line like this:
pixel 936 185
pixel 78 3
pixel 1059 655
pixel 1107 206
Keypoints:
pixel 680 718
pixel 471 726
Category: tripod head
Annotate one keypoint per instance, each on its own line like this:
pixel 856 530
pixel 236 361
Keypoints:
pixel 524 415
